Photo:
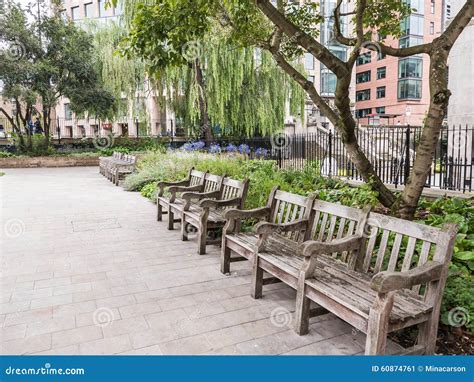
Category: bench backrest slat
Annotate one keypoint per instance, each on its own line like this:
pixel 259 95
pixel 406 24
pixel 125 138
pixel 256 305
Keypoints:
pixel 333 221
pixel 196 177
pixel 212 182
pixel 287 207
pixel 398 245
pixel 233 189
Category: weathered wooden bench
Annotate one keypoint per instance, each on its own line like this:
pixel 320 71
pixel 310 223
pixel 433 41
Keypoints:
pixel 380 274
pixel 210 188
pixel 105 162
pixel 119 170
pixel 194 182
pixel 209 213
pixel 290 210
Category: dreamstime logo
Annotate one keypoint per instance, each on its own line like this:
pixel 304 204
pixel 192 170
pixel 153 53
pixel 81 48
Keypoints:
pixel 105 142
pixel 15 51
pixel 103 317
pixel 14 228
pixel 458 317
pixel 374 48
pixel 281 317
pixel 190 229
pixel 192 50
pixel 280 141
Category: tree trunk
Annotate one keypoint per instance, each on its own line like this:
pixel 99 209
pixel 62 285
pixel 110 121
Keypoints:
pixel 431 130
pixel 46 125
pixel 206 131
pixel 346 128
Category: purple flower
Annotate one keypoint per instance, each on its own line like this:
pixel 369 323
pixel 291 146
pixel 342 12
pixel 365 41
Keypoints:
pixel 215 148
pixel 261 152
pixel 244 149
pixel 231 148
pixel 199 145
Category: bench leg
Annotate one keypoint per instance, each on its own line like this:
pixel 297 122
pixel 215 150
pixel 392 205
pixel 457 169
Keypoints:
pixel 225 258
pixel 377 328
pixel 302 313
pixel 202 239
pixel 159 211
pixel 184 230
pixel 170 220
pixel 257 279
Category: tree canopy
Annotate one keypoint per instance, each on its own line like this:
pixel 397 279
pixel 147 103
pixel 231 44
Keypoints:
pixel 44 60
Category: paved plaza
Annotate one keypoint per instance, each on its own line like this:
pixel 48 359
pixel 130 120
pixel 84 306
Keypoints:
pixel 87 269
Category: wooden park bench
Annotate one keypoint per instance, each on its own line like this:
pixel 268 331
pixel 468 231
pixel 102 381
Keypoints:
pixel 209 187
pixel 289 210
pixel 119 170
pixel 105 162
pixel 194 182
pixel 208 215
pixel 378 273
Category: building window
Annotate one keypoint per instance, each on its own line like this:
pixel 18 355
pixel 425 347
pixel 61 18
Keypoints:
pixel 381 72
pixel 103 12
pixel 363 77
pixel 67 111
pixel 448 11
pixel 432 7
pixel 88 10
pixel 380 110
pixel 417 5
pixel 362 113
pixel 363 95
pixel 410 67
pixel 75 13
pixel 308 61
pixel 409 89
pixel 381 92
pixel 363 59
pixel 412 25
pixel 328 83
pixel 431 27
pixel 408 41
pixel 311 79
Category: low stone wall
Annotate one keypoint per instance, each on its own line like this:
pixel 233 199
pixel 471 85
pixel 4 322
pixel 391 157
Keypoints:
pixel 28 162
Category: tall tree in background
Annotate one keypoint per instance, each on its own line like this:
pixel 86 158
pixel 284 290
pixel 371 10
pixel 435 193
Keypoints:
pixel 285 30
pixel 209 80
pixel 41 70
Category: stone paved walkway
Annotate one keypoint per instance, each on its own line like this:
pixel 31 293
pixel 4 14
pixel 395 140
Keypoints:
pixel 86 269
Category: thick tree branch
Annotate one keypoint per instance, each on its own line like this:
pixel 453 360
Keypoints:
pixel 320 52
pixel 307 86
pixel 337 27
pixel 457 25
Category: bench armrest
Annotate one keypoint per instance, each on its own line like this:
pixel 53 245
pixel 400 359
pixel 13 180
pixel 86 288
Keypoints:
pixel 234 217
pixel 314 248
pixel 175 189
pixel 161 185
pixel 211 203
pixel 384 282
pixel 246 214
pixel 199 195
pixel 265 228
pixel 189 196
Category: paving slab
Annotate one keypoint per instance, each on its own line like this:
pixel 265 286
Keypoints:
pixel 87 269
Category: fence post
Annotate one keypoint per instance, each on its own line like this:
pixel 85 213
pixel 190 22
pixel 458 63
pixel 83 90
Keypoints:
pixel 407 155
pixel 330 153
pixel 58 127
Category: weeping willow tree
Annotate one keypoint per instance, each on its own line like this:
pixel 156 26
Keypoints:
pixel 243 90
pixel 123 77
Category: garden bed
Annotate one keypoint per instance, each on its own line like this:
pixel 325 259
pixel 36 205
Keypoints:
pixel 48 161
